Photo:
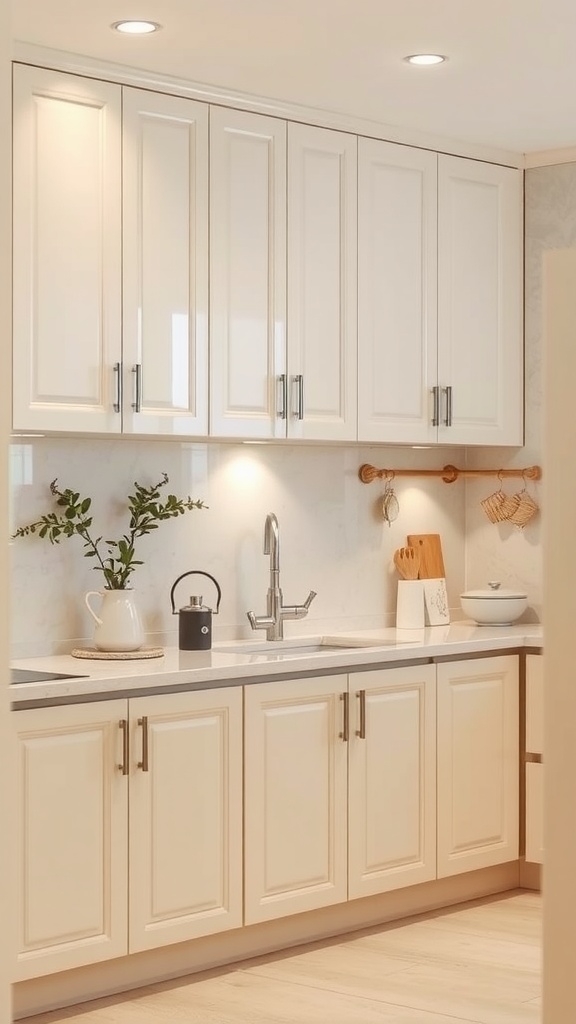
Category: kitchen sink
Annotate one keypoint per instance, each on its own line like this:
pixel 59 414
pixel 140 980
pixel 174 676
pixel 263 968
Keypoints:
pixel 287 648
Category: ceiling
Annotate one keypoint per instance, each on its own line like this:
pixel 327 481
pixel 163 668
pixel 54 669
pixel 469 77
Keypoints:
pixel 510 81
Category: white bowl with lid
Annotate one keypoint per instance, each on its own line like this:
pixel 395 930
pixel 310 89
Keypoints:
pixel 494 606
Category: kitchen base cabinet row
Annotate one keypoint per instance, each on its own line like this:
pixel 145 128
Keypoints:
pixel 143 823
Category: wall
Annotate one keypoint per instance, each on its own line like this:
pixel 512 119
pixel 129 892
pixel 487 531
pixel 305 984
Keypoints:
pixel 333 537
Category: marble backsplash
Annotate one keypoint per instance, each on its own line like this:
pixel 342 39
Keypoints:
pixel 333 538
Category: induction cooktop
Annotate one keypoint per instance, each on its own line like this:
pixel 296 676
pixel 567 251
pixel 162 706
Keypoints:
pixel 27 675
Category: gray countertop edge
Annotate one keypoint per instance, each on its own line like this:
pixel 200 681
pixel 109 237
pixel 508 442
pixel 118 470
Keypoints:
pixel 179 671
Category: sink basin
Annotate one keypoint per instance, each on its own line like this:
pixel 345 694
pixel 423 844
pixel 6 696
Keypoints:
pixel 287 648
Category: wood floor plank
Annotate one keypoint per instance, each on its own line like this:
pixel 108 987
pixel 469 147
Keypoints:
pixel 477 963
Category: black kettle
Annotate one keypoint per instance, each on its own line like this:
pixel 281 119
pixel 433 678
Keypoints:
pixel 195 619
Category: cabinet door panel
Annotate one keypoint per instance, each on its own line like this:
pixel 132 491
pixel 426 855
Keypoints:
pixel 535 813
pixel 186 817
pixel 534 704
pixel 67 251
pixel 478 764
pixel 165 276
pixel 392 784
pixel 247 273
pixel 295 797
pixel 480 300
pixel 72 837
pixel 322 307
pixel 397 339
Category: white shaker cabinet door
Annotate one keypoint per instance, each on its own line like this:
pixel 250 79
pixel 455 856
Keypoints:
pixel 295 796
pixel 247 274
pixel 165 264
pixel 480 354
pixel 67 252
pixel 392 780
pixel 478 763
pixel 185 816
pixel 397 340
pixel 322 284
pixel 71 836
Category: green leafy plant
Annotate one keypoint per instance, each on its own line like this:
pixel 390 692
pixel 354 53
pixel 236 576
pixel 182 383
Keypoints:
pixel 146 510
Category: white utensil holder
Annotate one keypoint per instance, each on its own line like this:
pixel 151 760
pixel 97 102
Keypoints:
pixel 410 604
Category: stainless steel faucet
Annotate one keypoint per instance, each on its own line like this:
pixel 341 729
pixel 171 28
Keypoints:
pixel 273 621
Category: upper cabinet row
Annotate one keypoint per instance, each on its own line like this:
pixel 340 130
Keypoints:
pixel 190 270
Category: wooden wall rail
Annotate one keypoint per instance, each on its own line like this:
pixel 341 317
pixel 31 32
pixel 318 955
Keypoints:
pixel 449 474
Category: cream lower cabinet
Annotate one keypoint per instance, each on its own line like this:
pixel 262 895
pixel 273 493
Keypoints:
pixel 534 851
pixel 392 780
pixel 185 816
pixel 339 789
pixel 130 826
pixel 478 763
pixel 72 836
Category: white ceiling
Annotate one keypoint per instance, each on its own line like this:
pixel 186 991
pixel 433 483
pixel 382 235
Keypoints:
pixel 510 81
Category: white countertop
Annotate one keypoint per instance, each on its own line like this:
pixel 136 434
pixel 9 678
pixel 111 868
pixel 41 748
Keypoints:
pixel 201 669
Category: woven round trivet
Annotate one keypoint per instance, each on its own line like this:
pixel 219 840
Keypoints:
pixel 91 652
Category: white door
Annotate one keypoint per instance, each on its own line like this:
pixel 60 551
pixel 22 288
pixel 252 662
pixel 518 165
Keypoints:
pixel 165 264
pixel 247 274
pixel 392 780
pixel 185 816
pixel 295 796
pixel 478 763
pixel 67 252
pixel 322 286
pixel 71 836
pixel 397 340
pixel 480 271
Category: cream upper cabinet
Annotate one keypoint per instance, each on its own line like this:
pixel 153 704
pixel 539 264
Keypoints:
pixel 67 252
pixel 295 816
pixel 165 264
pixel 392 779
pixel 480 271
pixel 440 298
pixel 478 763
pixel 321 399
pixel 397 286
pixel 185 816
pixel 247 274
pixel 71 836
pixel 110 258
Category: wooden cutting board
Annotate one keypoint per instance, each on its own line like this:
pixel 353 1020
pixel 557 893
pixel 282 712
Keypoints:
pixel 431 561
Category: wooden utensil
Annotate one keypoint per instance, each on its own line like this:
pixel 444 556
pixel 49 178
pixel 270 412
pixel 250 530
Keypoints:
pixel 407 561
pixel 431 561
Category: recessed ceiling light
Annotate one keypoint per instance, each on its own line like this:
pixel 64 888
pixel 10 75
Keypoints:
pixel 136 28
pixel 425 59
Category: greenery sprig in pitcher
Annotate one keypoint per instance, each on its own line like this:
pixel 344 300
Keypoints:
pixel 146 509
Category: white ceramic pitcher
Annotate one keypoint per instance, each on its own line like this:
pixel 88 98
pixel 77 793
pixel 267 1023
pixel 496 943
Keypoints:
pixel 119 626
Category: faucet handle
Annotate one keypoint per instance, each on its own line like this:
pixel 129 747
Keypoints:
pixel 309 599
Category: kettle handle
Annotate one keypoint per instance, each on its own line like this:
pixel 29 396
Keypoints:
pixel 195 572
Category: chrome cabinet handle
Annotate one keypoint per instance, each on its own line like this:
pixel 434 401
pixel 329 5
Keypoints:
pixel 118 387
pixel 298 382
pixel 361 732
pixel 344 735
pixel 144 763
pixel 137 371
pixel 123 725
pixel 448 420
pixel 282 381
pixel 436 407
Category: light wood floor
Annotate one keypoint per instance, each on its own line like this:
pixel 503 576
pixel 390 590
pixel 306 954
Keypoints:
pixel 478 962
